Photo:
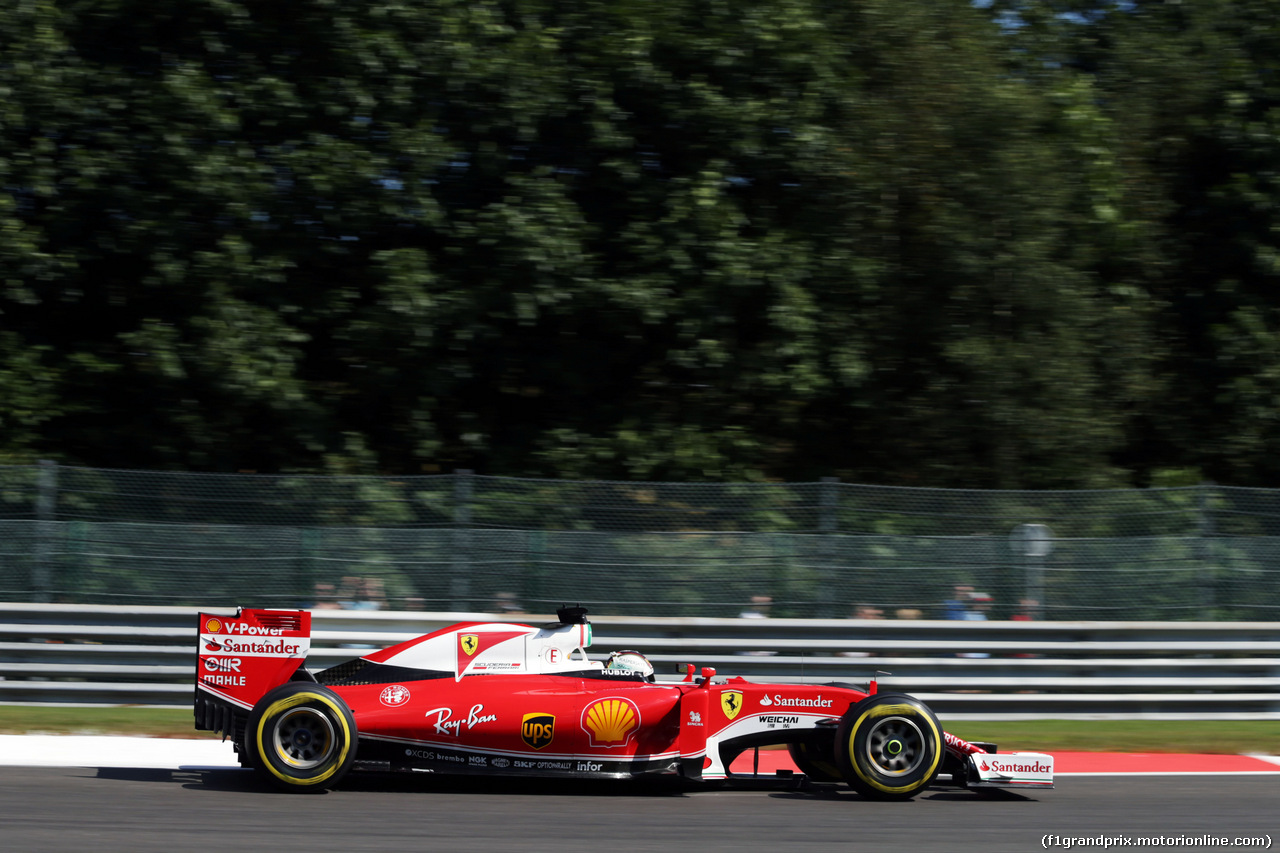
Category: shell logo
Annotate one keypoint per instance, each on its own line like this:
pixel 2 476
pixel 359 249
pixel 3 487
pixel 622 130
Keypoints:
pixel 611 722
pixel 213 626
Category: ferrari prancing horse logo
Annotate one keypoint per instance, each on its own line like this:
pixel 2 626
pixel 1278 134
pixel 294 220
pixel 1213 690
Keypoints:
pixel 731 703
pixel 470 642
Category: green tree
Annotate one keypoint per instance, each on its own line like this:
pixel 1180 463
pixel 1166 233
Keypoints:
pixel 1192 92
pixel 1025 245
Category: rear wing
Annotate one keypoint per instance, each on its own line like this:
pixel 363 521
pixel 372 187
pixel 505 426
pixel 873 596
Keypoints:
pixel 241 657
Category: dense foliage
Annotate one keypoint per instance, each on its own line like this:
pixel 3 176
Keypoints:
pixel 1000 245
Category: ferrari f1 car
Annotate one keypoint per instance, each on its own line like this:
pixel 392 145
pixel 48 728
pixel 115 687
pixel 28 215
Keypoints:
pixel 524 700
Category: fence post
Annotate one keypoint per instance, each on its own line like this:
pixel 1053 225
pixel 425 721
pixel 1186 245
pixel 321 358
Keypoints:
pixel 827 517
pixel 1034 542
pixel 46 514
pixel 1204 552
pixel 534 586
pixel 828 523
pixel 309 545
pixel 460 585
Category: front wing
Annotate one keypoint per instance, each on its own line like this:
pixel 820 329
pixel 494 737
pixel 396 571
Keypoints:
pixel 1009 770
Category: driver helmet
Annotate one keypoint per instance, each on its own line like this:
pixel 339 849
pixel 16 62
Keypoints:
pixel 629 661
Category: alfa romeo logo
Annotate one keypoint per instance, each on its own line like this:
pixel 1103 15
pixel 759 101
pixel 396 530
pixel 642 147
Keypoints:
pixel 396 694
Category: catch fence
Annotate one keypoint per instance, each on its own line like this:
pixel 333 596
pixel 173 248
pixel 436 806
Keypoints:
pixel 465 542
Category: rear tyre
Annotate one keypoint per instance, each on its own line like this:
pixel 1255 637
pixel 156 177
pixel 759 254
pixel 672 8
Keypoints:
pixel 889 746
pixel 244 754
pixel 302 737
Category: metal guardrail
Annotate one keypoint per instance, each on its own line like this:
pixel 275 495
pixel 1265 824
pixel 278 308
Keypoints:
pixel 125 655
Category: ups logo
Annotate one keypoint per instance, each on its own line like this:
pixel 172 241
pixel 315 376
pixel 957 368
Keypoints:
pixel 537 730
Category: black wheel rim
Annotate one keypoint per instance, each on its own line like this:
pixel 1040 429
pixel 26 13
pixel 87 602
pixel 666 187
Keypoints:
pixel 895 746
pixel 304 738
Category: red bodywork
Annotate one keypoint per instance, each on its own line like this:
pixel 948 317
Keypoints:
pixel 515 699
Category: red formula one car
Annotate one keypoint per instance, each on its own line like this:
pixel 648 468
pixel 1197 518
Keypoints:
pixel 524 700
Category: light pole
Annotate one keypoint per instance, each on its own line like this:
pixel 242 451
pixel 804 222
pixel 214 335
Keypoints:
pixel 1034 542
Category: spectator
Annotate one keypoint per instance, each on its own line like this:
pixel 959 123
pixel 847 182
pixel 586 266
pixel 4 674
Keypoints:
pixel 375 592
pixel 958 607
pixel 979 607
pixel 324 598
pixel 1027 609
pixel 863 611
pixel 505 604
pixel 759 608
pixel 980 604
pixel 361 593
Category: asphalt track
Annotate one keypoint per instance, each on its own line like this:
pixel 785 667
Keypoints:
pixel 138 808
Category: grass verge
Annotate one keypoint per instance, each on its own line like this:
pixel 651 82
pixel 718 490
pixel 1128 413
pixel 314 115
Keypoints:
pixel 1214 736
pixel 50 719
pixel 1204 736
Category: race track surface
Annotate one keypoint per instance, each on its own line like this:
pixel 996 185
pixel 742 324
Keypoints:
pixel 142 794
pixel 129 809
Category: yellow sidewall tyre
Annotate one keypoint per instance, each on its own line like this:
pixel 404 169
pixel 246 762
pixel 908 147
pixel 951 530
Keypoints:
pixel 889 746
pixel 302 737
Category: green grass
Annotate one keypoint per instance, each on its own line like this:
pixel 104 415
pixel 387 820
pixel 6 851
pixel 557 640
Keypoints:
pixel 1211 736
pixel 46 719
pixel 1218 736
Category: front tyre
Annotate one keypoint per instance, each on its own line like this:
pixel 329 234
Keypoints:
pixel 302 737
pixel 814 762
pixel 889 746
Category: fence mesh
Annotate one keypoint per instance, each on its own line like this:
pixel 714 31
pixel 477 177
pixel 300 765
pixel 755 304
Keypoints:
pixel 466 542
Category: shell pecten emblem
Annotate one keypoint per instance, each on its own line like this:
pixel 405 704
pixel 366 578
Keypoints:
pixel 611 722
